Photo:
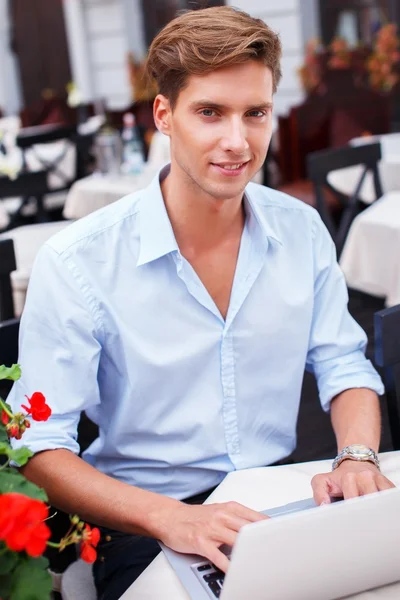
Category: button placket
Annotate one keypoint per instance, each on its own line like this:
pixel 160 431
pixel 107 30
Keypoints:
pixel 229 395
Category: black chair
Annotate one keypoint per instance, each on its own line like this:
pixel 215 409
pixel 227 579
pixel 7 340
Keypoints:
pixel 28 185
pixel 387 356
pixel 7 265
pixel 320 164
pixel 29 137
pixel 9 331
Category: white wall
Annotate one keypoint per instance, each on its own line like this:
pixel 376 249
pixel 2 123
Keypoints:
pixel 98 47
pixel 284 17
pixel 10 94
pixel 108 47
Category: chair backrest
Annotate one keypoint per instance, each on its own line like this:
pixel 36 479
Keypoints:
pixel 43 134
pixel 7 265
pixel 320 164
pixel 387 356
pixel 9 331
pixel 33 141
pixel 26 184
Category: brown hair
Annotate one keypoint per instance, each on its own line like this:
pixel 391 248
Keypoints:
pixel 200 41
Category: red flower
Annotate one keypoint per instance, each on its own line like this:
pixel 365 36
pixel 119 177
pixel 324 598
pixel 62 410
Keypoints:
pixel 13 431
pixel 39 410
pixel 22 524
pixel 4 417
pixel 90 539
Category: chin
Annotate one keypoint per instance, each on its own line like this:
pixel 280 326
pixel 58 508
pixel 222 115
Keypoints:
pixel 226 192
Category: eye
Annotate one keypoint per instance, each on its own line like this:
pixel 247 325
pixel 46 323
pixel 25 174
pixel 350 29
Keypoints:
pixel 256 113
pixel 208 112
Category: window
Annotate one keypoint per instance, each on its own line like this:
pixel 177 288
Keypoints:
pixel 356 20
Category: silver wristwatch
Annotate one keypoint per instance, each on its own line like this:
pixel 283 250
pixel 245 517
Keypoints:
pixel 357 452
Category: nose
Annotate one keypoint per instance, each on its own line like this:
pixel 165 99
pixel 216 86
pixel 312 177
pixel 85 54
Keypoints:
pixel 235 137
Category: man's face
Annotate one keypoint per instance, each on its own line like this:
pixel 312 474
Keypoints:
pixel 220 128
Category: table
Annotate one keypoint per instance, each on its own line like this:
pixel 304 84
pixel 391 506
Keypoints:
pixel 96 191
pixel 259 489
pixel 345 180
pixel 370 257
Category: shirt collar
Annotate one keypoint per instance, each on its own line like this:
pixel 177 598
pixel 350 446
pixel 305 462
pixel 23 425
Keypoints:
pixel 257 218
pixel 156 234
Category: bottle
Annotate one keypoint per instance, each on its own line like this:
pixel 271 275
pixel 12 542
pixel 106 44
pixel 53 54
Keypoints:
pixel 133 161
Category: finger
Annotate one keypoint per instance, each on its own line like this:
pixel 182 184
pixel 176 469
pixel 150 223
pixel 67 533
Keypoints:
pixel 217 557
pixel 349 486
pixel 366 483
pixel 321 487
pixel 234 522
pixel 225 536
pixel 248 514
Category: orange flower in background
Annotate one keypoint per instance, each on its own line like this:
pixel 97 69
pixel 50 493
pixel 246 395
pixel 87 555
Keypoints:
pixel 39 410
pixel 90 539
pixel 4 417
pixel 22 524
pixel 340 54
pixel 310 72
pixel 384 61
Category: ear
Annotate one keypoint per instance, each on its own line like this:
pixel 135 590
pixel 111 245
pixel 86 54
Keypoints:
pixel 162 114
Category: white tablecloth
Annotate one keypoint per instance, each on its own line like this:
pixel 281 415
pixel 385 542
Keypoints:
pixel 259 489
pixel 371 256
pixel 96 191
pixel 345 180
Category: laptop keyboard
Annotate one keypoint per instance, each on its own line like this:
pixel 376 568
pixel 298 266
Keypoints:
pixel 210 577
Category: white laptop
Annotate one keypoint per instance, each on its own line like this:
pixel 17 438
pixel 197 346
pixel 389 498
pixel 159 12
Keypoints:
pixel 304 552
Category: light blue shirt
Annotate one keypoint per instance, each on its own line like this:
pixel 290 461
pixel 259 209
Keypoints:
pixel 118 324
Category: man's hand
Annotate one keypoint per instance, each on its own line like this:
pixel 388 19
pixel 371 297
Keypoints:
pixel 203 529
pixel 349 480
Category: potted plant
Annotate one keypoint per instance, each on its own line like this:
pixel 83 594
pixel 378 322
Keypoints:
pixel 24 510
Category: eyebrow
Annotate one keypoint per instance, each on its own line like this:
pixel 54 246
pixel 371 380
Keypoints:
pixel 210 104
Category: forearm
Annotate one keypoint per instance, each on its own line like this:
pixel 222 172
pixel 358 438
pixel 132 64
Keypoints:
pixel 356 418
pixel 76 487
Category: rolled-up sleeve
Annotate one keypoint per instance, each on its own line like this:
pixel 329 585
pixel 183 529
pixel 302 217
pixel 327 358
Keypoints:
pixel 59 351
pixel 336 352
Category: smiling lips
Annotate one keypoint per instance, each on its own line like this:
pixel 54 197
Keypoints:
pixel 230 166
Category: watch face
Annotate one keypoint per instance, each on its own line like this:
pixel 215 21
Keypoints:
pixel 359 450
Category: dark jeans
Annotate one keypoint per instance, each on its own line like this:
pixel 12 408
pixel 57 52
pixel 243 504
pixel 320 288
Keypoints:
pixel 122 557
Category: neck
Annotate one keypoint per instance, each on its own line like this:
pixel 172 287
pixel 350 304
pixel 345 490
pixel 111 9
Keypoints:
pixel 199 220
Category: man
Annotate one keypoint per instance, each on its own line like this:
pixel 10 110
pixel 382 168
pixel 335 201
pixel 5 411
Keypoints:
pixel 182 317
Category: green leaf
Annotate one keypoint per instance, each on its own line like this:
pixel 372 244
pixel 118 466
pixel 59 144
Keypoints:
pixel 4 448
pixel 3 434
pixel 12 481
pixel 5 585
pixel 8 560
pixel 31 580
pixel 13 372
pixel 19 455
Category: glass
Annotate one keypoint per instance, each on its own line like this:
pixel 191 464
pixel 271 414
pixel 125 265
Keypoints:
pixel 108 152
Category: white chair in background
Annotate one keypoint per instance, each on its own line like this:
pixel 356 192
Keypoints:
pixel 27 241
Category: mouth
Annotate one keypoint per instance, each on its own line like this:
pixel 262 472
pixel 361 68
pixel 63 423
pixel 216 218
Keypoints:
pixel 231 169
